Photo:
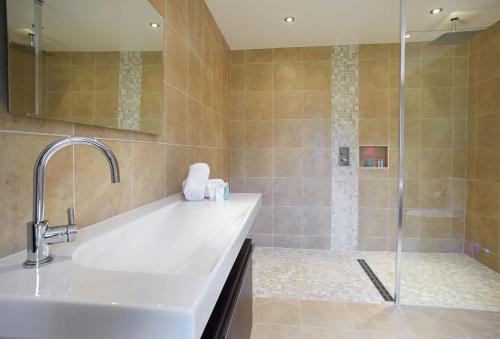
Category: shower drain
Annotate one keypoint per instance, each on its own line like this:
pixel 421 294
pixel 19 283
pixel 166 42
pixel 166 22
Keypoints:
pixel 375 280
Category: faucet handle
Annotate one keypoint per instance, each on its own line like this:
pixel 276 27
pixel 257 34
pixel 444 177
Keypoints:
pixel 71 216
pixel 71 228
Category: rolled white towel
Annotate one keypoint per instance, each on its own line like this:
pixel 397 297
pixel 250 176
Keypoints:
pixel 196 182
pixel 212 186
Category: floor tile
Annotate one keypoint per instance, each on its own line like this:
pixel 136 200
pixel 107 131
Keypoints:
pixel 326 333
pixel 324 314
pixel 373 317
pixel 276 311
pixel 264 331
pixel 429 321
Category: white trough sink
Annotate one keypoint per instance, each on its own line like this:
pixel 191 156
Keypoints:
pixel 153 272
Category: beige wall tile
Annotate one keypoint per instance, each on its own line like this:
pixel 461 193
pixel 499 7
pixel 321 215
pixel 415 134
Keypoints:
pixel 373 131
pixel 175 59
pixel 106 78
pixel 316 133
pixel 258 55
pixel 287 105
pixel 436 133
pixel 258 134
pixel 258 106
pixel 287 133
pixel 287 76
pixel 194 127
pixel 434 194
pixel 258 163
pixel 373 74
pixel 488 130
pixel 287 162
pixel 96 197
pixel 287 54
pixel 317 105
pixel 263 186
pixel 237 134
pixel 374 103
pixel 287 220
pixel 237 106
pixel 317 162
pixel 316 191
pixel 237 78
pixel 316 53
pixel 237 57
pixel 258 77
pixel 16 173
pixel 237 163
pixel 316 75
pixel 436 163
pixel 287 191
pixel 149 172
pixel 264 221
pixel 372 222
pixel 373 193
pixel 437 102
pixel 374 51
pixel 194 76
pixel 175 114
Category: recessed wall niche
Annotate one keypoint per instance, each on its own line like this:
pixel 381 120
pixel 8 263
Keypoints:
pixel 373 156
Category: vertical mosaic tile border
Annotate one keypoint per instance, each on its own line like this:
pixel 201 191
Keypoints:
pixel 129 101
pixel 345 119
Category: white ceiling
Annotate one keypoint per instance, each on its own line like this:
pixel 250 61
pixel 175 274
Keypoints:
pixel 89 25
pixel 248 24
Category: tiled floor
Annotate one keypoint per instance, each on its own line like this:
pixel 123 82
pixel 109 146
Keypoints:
pixel 306 319
pixel 431 279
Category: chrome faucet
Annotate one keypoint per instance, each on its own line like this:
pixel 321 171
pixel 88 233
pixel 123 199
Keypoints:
pixel 40 235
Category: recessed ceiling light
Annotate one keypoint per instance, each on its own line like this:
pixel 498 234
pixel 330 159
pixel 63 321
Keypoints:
pixel 154 25
pixel 289 19
pixel 436 10
pixel 407 36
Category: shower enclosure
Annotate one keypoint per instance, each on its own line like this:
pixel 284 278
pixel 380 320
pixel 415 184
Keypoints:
pixel 449 182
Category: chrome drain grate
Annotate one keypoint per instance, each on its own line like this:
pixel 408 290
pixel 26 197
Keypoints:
pixel 375 280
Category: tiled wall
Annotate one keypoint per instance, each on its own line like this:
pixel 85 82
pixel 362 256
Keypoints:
pixel 21 80
pixel 281 142
pixel 434 196
pixel 196 127
pixel 85 87
pixel 483 149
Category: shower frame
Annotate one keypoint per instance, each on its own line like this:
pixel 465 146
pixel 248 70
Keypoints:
pixel 402 64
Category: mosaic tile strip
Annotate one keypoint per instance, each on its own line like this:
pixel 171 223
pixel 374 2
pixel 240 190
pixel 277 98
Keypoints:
pixel 129 100
pixel 345 119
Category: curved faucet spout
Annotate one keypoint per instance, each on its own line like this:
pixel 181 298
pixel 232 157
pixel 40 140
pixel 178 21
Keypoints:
pixel 48 152
pixel 40 235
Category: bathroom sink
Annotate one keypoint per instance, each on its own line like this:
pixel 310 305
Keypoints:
pixel 153 272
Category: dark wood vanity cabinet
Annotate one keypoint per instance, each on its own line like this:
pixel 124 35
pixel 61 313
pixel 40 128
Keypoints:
pixel 232 314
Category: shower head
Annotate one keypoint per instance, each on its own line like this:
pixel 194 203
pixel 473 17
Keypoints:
pixel 456 37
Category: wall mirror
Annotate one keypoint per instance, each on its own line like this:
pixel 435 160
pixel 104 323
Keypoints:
pixel 94 62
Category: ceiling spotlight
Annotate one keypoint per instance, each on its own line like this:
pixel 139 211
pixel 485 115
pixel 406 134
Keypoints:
pixel 407 36
pixel 436 10
pixel 289 19
pixel 154 25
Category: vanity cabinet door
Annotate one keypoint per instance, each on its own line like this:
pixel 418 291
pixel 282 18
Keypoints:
pixel 232 314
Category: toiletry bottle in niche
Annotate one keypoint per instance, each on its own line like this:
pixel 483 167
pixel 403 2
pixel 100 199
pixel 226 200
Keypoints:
pixel 226 191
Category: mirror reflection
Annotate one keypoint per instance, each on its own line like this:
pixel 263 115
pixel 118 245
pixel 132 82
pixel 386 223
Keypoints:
pixel 99 62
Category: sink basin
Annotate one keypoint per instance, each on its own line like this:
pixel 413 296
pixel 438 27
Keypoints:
pixel 153 272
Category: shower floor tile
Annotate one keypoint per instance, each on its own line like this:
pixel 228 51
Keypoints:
pixel 431 279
